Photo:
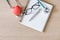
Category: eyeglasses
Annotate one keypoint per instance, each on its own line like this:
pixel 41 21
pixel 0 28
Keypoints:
pixel 29 10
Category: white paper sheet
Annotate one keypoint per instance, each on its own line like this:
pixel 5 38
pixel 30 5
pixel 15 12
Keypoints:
pixel 39 21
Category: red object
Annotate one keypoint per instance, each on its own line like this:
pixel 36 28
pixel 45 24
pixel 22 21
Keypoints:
pixel 16 10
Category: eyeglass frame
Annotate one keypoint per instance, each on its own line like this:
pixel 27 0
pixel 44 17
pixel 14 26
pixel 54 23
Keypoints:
pixel 25 12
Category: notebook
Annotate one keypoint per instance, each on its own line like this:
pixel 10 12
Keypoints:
pixel 36 16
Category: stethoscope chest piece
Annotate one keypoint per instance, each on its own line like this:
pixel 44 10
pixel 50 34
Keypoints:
pixel 16 10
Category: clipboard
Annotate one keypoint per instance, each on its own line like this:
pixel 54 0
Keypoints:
pixel 39 21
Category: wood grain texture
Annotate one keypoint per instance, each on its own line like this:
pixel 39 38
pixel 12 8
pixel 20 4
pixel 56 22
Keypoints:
pixel 10 29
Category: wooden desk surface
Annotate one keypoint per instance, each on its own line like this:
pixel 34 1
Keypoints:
pixel 10 29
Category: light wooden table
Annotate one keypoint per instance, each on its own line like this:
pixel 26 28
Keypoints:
pixel 10 29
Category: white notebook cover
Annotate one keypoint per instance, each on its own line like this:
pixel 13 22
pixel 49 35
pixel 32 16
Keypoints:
pixel 39 21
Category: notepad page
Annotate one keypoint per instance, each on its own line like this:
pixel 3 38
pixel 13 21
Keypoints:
pixel 39 21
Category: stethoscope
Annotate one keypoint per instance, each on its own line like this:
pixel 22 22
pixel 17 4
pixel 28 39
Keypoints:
pixel 15 9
